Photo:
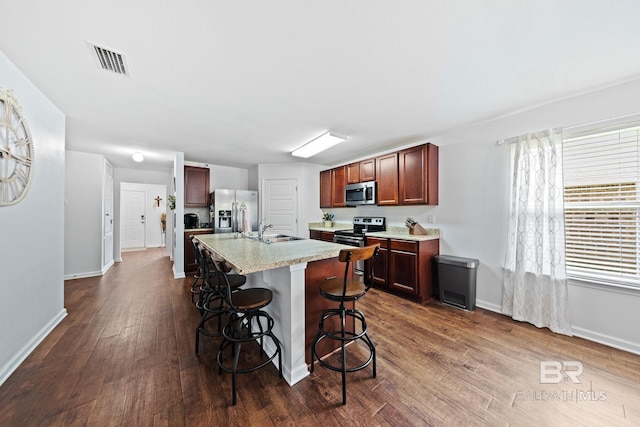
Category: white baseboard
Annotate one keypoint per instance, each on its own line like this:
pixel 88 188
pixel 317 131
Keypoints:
pixel 489 306
pixel 107 267
pixel 19 357
pixel 608 340
pixel 177 275
pixel 82 275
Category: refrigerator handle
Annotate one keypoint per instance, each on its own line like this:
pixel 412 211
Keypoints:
pixel 234 217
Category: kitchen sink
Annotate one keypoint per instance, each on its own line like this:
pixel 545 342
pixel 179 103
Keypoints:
pixel 276 238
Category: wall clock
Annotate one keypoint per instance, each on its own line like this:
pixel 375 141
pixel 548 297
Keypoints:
pixel 16 151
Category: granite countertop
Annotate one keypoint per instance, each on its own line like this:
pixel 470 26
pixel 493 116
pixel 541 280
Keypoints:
pixel 393 232
pixel 403 233
pixel 319 226
pixel 191 230
pixel 249 256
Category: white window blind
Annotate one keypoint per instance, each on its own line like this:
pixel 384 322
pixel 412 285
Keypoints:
pixel 601 179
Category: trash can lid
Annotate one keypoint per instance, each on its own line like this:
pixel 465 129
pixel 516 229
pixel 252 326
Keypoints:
pixel 456 260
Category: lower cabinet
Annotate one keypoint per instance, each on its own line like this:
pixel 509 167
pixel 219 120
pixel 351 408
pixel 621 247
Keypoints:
pixel 190 264
pixel 405 267
pixel 327 236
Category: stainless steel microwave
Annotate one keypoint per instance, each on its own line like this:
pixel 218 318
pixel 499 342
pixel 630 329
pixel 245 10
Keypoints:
pixel 363 193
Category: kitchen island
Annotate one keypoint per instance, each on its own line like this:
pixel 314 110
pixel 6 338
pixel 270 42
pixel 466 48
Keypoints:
pixel 282 267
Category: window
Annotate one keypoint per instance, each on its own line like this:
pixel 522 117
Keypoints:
pixel 602 205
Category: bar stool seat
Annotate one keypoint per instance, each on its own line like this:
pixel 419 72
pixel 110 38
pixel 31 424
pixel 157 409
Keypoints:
pixel 247 322
pixel 347 289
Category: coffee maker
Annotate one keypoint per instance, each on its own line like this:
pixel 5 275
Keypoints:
pixel 190 221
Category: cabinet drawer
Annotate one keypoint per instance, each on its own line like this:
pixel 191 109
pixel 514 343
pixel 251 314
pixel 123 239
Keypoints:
pixel 384 243
pixel 404 245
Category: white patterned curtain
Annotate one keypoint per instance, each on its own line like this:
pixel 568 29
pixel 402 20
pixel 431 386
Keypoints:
pixel 535 278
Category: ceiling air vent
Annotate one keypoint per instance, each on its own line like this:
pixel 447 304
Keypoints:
pixel 110 60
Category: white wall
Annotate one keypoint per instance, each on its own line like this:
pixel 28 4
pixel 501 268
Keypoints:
pixel 32 234
pixel 83 214
pixel 473 209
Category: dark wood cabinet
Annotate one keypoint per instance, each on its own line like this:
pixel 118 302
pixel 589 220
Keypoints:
pixel 406 177
pixel 381 267
pixel 332 184
pixel 405 267
pixel 338 179
pixel 387 179
pixel 326 236
pixel 353 173
pixel 368 170
pixel 418 175
pixel 361 171
pixel 196 187
pixel 190 264
pixel 325 189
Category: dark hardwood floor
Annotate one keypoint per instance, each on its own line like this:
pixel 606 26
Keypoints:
pixel 124 356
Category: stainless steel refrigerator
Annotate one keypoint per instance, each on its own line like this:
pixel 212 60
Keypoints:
pixel 227 208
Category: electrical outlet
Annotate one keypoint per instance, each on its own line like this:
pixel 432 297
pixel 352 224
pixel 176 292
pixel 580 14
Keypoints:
pixel 431 219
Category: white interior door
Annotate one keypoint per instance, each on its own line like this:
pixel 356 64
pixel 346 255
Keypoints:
pixel 107 238
pixel 132 219
pixel 280 205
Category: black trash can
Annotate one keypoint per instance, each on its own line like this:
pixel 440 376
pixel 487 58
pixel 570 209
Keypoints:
pixel 457 280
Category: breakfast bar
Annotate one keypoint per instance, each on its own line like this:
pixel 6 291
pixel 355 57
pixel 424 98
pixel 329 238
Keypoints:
pixel 288 269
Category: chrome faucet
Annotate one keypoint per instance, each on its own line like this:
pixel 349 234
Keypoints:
pixel 262 229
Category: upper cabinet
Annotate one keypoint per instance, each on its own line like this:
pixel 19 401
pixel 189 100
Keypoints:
pixel 338 178
pixel 368 170
pixel 325 189
pixel 418 175
pixel 196 187
pixel 353 173
pixel 361 171
pixel 387 174
pixel 406 177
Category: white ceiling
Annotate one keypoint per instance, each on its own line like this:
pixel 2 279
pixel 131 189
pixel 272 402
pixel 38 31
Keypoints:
pixel 244 82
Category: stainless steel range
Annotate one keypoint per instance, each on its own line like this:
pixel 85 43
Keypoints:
pixel 356 236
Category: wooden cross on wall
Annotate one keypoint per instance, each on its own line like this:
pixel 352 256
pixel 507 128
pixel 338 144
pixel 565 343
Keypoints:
pixel 158 200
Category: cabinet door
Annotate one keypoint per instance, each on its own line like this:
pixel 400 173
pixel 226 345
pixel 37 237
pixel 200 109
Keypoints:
pixel 196 187
pixel 190 263
pixel 418 175
pixel 368 170
pixel 327 236
pixel 338 177
pixel 403 272
pixel 325 189
pixel 353 173
pixel 381 267
pixel 315 234
pixel 387 179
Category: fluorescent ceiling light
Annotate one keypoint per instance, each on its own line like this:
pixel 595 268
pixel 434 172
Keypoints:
pixel 321 143
pixel 137 157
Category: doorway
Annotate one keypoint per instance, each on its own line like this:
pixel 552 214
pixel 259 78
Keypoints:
pixel 280 205
pixel 132 219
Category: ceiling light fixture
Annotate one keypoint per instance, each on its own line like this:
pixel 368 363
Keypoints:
pixel 137 157
pixel 321 143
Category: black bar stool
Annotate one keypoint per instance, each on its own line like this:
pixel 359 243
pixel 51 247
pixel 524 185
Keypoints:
pixel 198 276
pixel 343 290
pixel 247 322
pixel 213 292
